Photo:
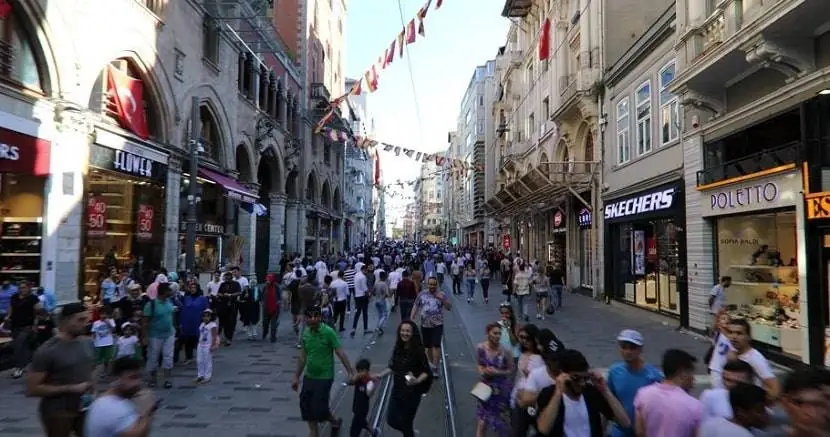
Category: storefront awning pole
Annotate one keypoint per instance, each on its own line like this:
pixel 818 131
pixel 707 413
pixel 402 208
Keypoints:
pixel 580 198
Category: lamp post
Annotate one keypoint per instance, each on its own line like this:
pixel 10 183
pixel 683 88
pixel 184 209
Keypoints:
pixel 193 195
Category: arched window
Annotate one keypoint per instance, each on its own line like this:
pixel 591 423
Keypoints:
pixel 19 62
pixel 102 101
pixel 211 137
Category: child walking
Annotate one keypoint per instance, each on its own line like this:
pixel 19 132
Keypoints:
pixel 208 342
pixel 104 340
pixel 127 345
pixel 364 385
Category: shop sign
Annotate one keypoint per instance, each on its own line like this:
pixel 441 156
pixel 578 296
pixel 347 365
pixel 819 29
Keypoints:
pixel 127 162
pixel 205 228
pixel 145 221
pixel 96 217
pixel 818 205
pixel 585 218
pixel 655 201
pixel 505 241
pixel 768 193
pixel 559 222
pixel 23 154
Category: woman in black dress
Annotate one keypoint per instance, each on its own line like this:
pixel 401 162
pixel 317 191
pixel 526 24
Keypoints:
pixel 411 378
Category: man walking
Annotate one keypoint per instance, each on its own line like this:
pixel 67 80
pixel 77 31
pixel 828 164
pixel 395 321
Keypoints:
pixel 407 292
pixel 316 366
pixel 430 305
pixel 61 373
pixel 114 414
pixel 361 300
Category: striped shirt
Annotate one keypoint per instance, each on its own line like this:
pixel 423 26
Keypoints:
pixel 348 276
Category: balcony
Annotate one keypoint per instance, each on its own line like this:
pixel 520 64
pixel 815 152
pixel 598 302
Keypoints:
pixel 320 92
pixel 739 37
pixel 778 157
pixel 515 57
pixel 516 8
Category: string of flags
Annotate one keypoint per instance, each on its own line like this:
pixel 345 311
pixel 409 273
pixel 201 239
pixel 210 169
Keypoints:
pixel 395 50
pixel 364 143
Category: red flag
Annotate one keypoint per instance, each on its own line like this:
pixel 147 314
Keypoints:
pixel 385 61
pixel 390 53
pixel 422 13
pixel 356 88
pixel 323 121
pixel 410 32
pixel 372 79
pixel 421 28
pixel 128 96
pixel 544 41
pixel 438 4
pixel 401 43
pixel 5 8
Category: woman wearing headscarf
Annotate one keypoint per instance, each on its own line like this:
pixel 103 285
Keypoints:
pixel 270 307
pixel 249 309
pixel 193 304
pixel 411 378
pixel 153 289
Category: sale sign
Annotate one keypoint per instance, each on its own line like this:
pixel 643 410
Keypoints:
pixel 96 217
pixel 505 241
pixel 145 221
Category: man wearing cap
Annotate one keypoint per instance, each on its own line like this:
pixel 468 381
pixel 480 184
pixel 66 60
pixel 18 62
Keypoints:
pixel 628 376
pixel 315 365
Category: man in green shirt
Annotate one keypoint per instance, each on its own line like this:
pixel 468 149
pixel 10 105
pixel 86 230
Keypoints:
pixel 318 346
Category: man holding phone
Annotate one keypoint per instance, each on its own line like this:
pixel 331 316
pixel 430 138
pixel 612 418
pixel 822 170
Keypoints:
pixel 114 413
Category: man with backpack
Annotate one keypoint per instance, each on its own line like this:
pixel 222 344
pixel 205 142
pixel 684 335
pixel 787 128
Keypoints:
pixel 160 335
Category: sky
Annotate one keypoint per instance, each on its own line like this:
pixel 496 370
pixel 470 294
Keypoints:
pixel 459 36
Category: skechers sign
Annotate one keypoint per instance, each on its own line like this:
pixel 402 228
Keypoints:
pixel 655 201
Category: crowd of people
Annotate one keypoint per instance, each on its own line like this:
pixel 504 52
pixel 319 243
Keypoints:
pixel 132 335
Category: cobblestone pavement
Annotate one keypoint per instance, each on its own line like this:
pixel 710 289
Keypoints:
pixel 250 394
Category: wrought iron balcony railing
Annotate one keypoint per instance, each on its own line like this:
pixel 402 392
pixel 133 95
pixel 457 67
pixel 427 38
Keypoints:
pixel 754 163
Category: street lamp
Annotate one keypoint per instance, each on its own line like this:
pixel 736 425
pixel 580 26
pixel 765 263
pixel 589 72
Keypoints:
pixel 193 195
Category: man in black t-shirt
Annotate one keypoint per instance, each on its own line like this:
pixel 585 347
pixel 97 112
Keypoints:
pixel 577 388
pixel 20 320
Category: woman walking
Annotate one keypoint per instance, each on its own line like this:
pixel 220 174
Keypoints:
pixel 521 284
pixel 484 273
pixel 495 365
pixel 470 281
pixel 509 331
pixel 190 317
pixel 529 360
pixel 541 287
pixel 410 379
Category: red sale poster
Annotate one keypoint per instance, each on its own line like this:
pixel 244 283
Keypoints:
pixel 145 221
pixel 96 217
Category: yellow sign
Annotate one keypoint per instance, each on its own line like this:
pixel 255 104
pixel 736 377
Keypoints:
pixel 818 205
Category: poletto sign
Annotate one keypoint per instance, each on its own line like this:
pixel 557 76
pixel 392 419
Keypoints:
pixel 766 193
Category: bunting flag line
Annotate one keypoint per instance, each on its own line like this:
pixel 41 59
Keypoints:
pixel 454 166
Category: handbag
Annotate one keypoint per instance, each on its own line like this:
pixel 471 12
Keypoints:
pixel 482 391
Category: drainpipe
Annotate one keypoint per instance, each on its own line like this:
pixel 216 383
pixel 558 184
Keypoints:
pixel 598 219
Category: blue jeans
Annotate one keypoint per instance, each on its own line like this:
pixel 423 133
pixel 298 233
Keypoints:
pixel 556 296
pixel 383 313
pixel 471 288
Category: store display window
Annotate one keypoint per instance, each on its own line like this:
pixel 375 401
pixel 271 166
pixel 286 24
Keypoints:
pixel 648 264
pixel 759 253
pixel 211 212
pixel 21 233
pixel 124 226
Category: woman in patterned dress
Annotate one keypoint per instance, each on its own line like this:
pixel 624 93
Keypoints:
pixel 495 365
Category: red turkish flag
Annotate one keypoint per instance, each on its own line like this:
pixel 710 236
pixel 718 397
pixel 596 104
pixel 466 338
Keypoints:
pixel 5 9
pixel 544 41
pixel 128 96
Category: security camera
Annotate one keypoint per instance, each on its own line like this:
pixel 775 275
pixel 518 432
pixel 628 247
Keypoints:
pixel 695 121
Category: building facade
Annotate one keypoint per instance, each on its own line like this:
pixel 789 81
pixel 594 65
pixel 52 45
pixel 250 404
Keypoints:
pixel 546 126
pixel 358 203
pixel 754 138
pixel 643 215
pixel 429 195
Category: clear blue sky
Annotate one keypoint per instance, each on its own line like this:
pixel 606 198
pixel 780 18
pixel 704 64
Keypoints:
pixel 459 36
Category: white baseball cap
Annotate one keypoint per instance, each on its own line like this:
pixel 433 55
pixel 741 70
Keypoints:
pixel 631 336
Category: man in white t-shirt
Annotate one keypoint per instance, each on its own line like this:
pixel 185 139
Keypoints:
pixel 716 400
pixel 241 280
pixel 114 414
pixel 717 299
pixel 741 338
pixel 749 404
pixel 213 286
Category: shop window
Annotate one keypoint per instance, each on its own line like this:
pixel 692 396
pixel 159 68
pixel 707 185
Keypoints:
pixel 642 101
pixel 669 115
pixel 623 138
pixel 124 229
pixel 21 211
pixel 649 264
pixel 759 253
pixel 19 63
pixel 210 223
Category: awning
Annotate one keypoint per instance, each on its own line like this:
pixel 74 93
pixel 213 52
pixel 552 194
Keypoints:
pixel 233 189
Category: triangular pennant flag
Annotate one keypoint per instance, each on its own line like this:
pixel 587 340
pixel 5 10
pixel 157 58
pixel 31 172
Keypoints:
pixel 357 88
pixel 439 161
pixel 427 157
pixel 388 147
pixel 397 151
pixel 390 53
pixel 422 13
pixel 438 4
pixel 418 156
pixel 372 79
pixel 324 120
pixel 385 60
pixel 401 43
pixel 410 32
pixel 421 30
pixel 408 153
